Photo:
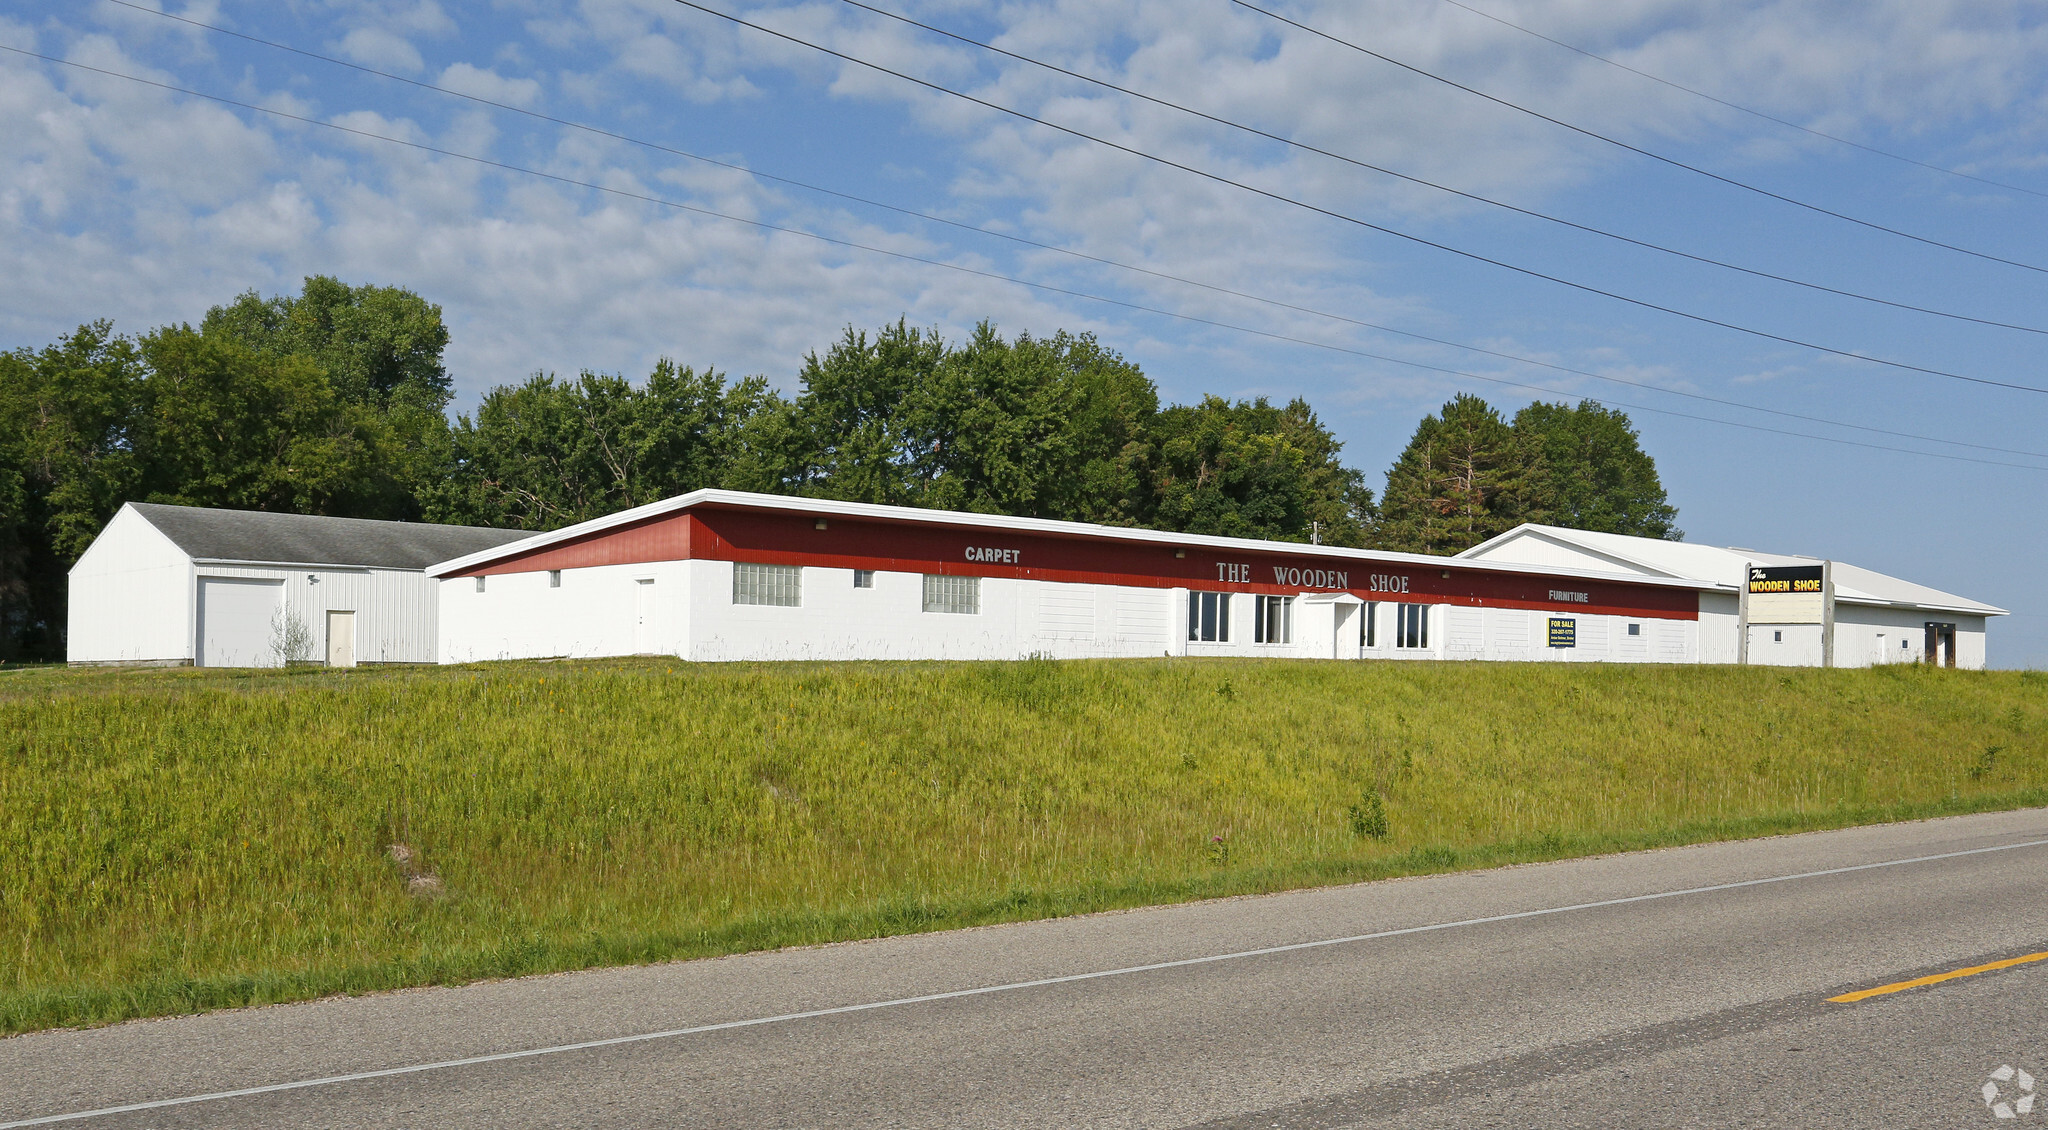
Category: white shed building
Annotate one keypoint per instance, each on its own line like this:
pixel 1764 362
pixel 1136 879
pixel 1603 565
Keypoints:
pixel 181 585
pixel 1858 617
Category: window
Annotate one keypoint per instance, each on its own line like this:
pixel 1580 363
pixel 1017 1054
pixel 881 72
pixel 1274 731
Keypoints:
pixel 767 584
pixel 554 578
pixel 1907 644
pixel 1368 632
pixel 952 594
pixel 1635 629
pixel 1209 617
pixel 1273 619
pixel 479 584
pixel 1777 637
pixel 1411 625
pixel 863 578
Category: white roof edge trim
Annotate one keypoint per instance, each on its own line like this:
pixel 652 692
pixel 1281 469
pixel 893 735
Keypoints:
pixel 236 562
pixel 1003 522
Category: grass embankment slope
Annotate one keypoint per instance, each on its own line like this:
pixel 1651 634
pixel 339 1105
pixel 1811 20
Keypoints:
pixel 175 840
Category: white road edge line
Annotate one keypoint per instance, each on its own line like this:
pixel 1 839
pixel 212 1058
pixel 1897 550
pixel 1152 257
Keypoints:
pixel 672 1033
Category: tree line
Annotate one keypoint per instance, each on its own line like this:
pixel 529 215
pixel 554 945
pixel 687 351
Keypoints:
pixel 335 401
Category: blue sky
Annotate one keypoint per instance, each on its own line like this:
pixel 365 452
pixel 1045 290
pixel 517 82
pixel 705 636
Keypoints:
pixel 143 205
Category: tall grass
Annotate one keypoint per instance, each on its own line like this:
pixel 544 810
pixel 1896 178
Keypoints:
pixel 175 840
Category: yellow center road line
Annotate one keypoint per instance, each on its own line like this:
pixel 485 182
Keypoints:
pixel 1936 978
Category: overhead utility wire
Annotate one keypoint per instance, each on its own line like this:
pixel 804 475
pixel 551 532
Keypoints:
pixel 1349 219
pixel 1473 196
pixel 1654 156
pixel 1084 256
pixel 1679 86
pixel 765 226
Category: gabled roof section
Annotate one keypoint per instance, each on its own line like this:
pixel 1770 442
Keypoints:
pixel 1532 544
pixel 1714 565
pixel 307 539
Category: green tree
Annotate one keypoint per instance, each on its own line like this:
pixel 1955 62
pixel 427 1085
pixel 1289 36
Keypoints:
pixel 548 452
pixel 1114 407
pixel 229 426
pixel 379 346
pixel 1588 471
pixel 1037 427
pixel 376 343
pixel 1461 480
pixel 1248 469
pixel 850 415
pixel 70 422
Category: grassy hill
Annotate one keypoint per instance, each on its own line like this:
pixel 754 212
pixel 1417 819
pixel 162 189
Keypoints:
pixel 178 840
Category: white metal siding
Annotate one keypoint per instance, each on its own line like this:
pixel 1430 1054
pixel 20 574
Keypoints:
pixel 130 597
pixel 1144 620
pixel 1464 630
pixel 1066 612
pixel 395 608
pixel 1858 625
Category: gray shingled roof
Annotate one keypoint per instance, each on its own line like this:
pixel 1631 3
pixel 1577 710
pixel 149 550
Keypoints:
pixel 306 539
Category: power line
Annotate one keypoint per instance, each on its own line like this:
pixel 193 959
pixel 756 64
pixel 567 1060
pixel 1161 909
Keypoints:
pixel 1349 219
pixel 1473 196
pixel 1069 252
pixel 1825 136
pixel 1618 143
pixel 973 271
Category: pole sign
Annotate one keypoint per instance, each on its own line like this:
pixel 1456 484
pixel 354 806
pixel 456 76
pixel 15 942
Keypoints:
pixel 1564 631
pixel 1787 594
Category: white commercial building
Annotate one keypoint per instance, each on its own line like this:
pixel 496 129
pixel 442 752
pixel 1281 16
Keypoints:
pixel 180 585
pixel 1774 609
pixel 723 575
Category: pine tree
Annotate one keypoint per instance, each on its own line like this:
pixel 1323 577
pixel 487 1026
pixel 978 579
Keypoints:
pixel 1587 471
pixel 1462 479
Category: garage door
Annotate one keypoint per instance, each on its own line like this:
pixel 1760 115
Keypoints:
pixel 235 617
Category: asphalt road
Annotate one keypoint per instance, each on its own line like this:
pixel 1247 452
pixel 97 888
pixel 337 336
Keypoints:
pixel 1489 999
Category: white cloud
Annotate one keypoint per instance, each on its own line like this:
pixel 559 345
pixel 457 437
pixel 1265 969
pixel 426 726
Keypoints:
pixel 377 47
pixel 537 275
pixel 483 83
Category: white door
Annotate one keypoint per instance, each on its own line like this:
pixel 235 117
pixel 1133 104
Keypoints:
pixel 238 618
pixel 643 616
pixel 1345 643
pixel 341 639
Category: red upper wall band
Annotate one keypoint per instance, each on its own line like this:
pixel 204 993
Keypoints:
pixel 664 538
pixel 782 538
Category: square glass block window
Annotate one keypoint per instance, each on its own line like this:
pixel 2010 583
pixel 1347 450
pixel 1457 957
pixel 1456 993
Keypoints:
pixel 1635 629
pixel 1209 617
pixel 1411 625
pixel 952 594
pixel 767 584
pixel 863 578
pixel 1273 619
pixel 554 578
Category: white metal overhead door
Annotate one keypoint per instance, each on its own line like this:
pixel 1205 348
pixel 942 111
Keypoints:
pixel 235 621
